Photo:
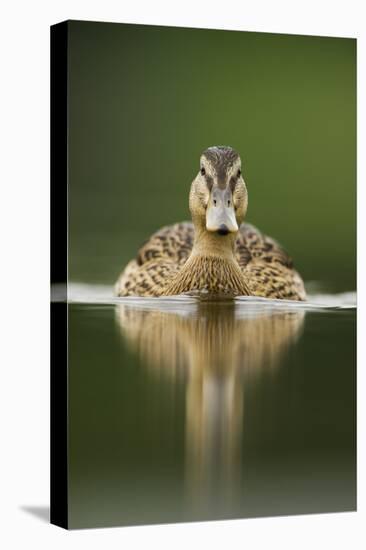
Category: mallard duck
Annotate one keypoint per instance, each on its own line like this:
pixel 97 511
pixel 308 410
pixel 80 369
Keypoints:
pixel 217 254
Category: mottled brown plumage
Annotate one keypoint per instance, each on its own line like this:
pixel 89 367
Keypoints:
pixel 217 253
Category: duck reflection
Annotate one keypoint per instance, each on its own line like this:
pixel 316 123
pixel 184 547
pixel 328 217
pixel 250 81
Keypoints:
pixel 216 350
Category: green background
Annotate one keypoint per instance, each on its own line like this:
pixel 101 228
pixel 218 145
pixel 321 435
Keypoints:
pixel 145 101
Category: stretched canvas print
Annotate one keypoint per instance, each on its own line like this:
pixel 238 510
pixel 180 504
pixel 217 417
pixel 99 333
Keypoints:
pixel 203 314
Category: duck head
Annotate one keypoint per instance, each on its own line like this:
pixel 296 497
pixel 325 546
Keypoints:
pixel 218 202
pixel 218 198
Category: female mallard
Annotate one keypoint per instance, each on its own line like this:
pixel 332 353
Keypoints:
pixel 217 253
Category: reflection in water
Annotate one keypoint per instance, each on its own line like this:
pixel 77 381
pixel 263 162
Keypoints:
pixel 215 350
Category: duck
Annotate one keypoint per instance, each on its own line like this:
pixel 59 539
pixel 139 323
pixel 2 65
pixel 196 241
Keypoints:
pixel 217 254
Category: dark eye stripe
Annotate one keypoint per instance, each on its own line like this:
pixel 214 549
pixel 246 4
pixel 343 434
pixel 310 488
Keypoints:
pixel 209 182
pixel 232 184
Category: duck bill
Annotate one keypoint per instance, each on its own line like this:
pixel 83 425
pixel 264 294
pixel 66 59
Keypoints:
pixel 221 219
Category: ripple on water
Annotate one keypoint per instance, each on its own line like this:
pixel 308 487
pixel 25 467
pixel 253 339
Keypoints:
pixel 94 294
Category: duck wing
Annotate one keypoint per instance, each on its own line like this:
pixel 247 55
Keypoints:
pixel 172 242
pixel 267 267
pixel 252 244
pixel 158 259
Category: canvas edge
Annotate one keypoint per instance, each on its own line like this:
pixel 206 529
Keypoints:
pixel 58 268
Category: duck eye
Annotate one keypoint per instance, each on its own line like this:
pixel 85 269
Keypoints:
pixel 203 171
pixel 239 173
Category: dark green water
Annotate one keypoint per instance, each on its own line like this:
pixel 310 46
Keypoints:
pixel 216 413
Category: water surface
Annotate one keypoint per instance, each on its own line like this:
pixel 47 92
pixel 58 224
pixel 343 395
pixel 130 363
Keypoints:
pixel 184 410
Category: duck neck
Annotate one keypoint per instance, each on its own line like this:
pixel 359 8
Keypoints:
pixel 211 267
pixel 211 245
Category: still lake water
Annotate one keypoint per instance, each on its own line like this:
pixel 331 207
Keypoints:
pixel 186 410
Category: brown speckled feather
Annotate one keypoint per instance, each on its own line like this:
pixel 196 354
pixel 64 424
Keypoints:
pixel 172 242
pixel 267 268
pixel 157 261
